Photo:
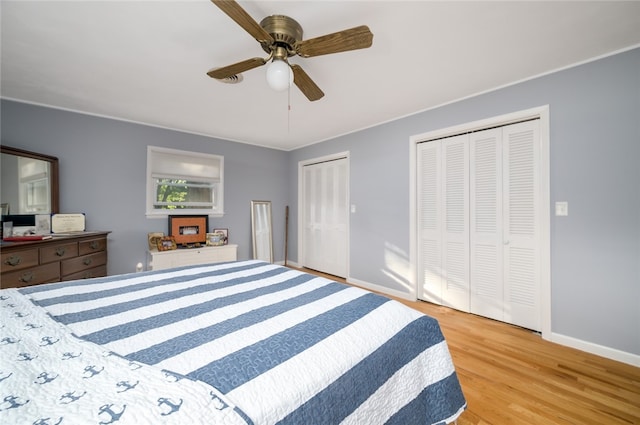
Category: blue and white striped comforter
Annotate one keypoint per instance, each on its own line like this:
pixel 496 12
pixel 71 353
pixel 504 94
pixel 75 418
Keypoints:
pixel 284 346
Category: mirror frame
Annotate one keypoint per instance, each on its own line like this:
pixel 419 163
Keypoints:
pixel 53 180
pixel 258 235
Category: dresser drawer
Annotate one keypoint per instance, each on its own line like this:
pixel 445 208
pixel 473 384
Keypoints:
pixel 34 276
pixel 92 245
pixel 58 252
pixel 18 260
pixel 78 264
pixel 88 274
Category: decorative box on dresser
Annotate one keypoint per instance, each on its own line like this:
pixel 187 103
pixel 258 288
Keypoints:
pixel 78 256
pixel 159 260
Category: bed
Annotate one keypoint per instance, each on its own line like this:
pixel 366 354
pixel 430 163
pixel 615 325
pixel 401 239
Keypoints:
pixel 238 343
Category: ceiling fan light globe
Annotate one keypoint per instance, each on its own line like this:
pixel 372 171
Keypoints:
pixel 279 75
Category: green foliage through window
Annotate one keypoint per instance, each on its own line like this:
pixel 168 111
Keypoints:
pixel 183 194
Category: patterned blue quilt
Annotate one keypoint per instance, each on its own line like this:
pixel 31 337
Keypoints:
pixel 276 345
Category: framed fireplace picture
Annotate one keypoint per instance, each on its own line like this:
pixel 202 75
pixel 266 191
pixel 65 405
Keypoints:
pixel 189 229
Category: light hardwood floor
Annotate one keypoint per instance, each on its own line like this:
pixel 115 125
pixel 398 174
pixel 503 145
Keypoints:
pixel 510 375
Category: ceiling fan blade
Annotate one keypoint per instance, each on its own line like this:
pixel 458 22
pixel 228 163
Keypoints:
pixel 306 84
pixel 342 41
pixel 236 68
pixel 242 18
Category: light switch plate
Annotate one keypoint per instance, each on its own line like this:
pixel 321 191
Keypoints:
pixel 562 208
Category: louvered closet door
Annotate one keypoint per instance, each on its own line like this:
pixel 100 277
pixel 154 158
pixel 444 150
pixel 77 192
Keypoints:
pixel 455 212
pixel 443 247
pixel 429 221
pixel 486 224
pixel 479 233
pixel 325 215
pixel 521 188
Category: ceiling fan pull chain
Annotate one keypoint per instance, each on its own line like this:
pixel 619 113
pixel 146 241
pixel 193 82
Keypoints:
pixel 289 110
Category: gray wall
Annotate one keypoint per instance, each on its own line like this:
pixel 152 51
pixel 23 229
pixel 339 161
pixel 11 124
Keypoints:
pixel 595 156
pixel 103 174
pixel 595 151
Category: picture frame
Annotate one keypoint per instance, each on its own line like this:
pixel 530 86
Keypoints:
pixel 7 229
pixel 214 239
pixel 224 233
pixel 189 229
pixel 66 223
pixel 43 224
pixel 153 238
pixel 166 243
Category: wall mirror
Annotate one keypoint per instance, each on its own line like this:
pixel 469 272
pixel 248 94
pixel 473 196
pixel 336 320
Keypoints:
pixel 29 182
pixel 261 230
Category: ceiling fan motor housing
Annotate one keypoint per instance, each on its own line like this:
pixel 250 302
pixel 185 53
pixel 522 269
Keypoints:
pixel 285 31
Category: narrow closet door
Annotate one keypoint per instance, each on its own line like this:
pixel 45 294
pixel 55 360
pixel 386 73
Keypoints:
pixel 325 216
pixel 455 232
pixel 312 215
pixel 486 224
pixel 521 188
pixel 429 193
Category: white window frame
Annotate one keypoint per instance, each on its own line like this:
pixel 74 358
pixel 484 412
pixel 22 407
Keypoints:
pixel 182 157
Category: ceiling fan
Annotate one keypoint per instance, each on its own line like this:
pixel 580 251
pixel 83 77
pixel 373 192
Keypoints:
pixel 281 37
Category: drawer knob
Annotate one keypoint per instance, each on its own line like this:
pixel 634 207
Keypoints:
pixel 60 251
pixel 94 245
pixel 87 261
pixel 13 261
pixel 26 277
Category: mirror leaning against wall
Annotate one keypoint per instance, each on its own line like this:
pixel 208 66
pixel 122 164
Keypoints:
pixel 261 230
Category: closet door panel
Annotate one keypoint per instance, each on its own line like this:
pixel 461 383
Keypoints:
pixel 325 217
pixel 455 256
pixel 312 217
pixel 486 241
pixel 429 193
pixel 335 218
pixel 521 152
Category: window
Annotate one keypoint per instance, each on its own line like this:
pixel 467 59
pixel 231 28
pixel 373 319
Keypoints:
pixel 181 182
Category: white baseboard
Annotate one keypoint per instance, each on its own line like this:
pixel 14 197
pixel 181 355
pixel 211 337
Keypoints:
pixel 382 289
pixel 367 285
pixel 599 350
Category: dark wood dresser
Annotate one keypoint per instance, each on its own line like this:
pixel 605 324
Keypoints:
pixel 78 256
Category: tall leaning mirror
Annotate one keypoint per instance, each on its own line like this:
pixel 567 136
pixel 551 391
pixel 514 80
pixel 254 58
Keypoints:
pixel 29 182
pixel 261 230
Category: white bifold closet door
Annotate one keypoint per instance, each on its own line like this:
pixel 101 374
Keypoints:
pixel 478 202
pixel 486 228
pixel 521 229
pixel 325 215
pixel 443 203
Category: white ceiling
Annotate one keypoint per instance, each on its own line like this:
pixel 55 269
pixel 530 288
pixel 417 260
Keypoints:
pixel 146 61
